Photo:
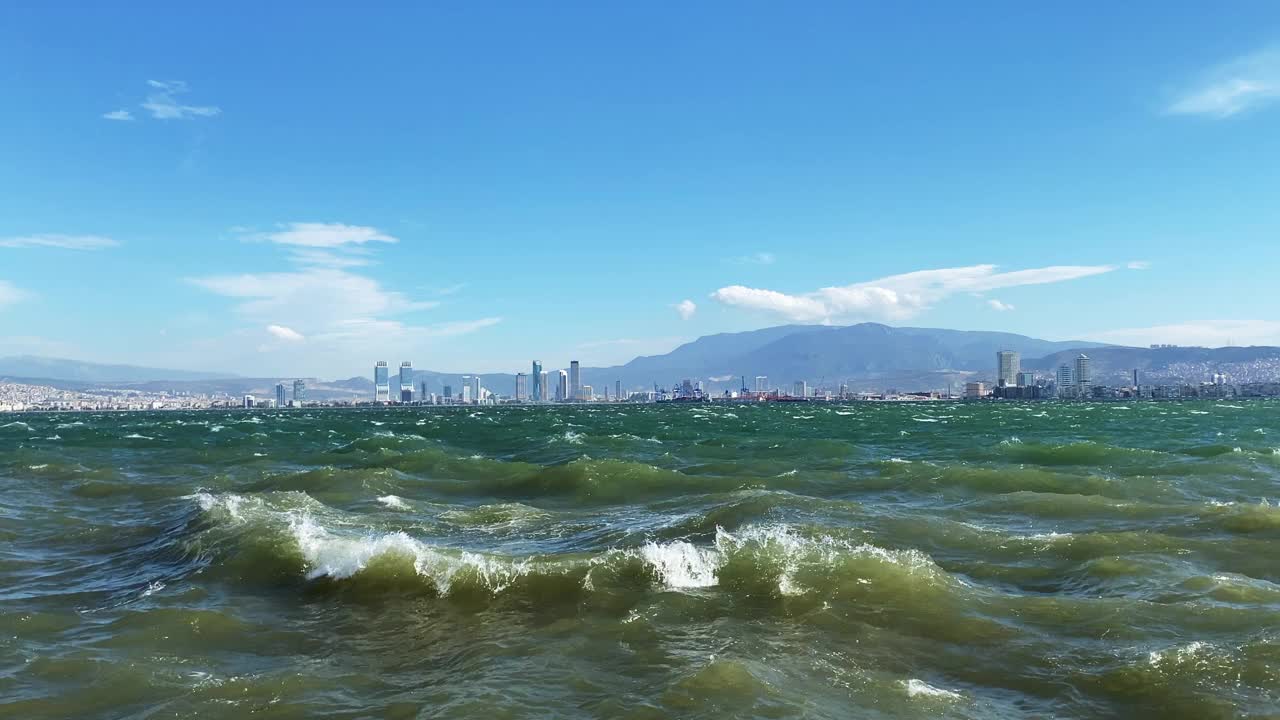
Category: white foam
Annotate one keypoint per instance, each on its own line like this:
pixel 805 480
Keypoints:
pixel 919 688
pixel 394 502
pixel 683 565
pixel 572 437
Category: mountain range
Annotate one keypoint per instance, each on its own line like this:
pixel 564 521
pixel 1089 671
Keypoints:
pixel 866 356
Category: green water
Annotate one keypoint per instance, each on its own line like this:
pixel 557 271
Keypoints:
pixel 770 561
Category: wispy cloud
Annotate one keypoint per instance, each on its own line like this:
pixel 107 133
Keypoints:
pixel 118 115
pixel 163 104
pixel 686 308
pixel 451 289
pixel 1233 87
pixel 10 293
pixel 285 333
pixel 999 306
pixel 1138 265
pixel 1210 333
pixel 324 235
pixel 64 242
pixel 896 297
pixel 759 258
pixel 341 316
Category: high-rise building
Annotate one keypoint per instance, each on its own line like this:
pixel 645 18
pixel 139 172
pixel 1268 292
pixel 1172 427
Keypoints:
pixel 475 389
pixel 975 390
pixel 381 382
pixel 762 383
pixel 562 386
pixel 545 392
pixel 575 380
pixel 520 391
pixel 1008 365
pixel 1082 374
pixel 406 382
pixel 280 395
pixel 1136 384
pixel 1064 376
pixel 448 393
pixel 617 390
pixel 423 394
pixel 1026 379
pixel 467 397
pixel 536 379
pixel 299 391
pixel 587 394
pixel 800 389
pixel 249 401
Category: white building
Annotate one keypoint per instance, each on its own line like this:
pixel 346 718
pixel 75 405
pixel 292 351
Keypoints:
pixel 1008 365
pixel 1082 374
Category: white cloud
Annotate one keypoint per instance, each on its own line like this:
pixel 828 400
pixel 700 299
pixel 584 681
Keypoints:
pixel 686 308
pixel 163 102
pixel 344 318
pixel 896 297
pixel 1243 83
pixel 760 258
pixel 1138 265
pixel 285 333
pixel 65 242
pixel 1210 333
pixel 999 306
pixel 10 293
pixel 324 235
pixel 118 115
pixel 326 258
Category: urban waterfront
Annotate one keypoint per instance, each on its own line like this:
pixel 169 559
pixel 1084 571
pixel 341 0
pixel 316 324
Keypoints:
pixel 895 560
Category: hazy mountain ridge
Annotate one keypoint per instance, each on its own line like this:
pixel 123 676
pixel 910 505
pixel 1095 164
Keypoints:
pixel 866 356
pixel 33 366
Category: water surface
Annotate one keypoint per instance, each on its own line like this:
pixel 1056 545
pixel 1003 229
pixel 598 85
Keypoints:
pixel 763 561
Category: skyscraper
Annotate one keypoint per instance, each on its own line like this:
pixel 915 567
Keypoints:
pixel 762 383
pixel 575 380
pixel 536 380
pixel 544 392
pixel 801 389
pixel 299 391
pixel 562 386
pixel 520 382
pixel 1026 379
pixel 381 382
pixel 1082 375
pixel 1008 365
pixel 1064 375
pixel 423 395
pixel 475 389
pixel 406 382
pixel 281 399
pixel 617 390
pixel 448 394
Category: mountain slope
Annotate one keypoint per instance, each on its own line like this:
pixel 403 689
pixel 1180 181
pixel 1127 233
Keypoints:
pixel 32 366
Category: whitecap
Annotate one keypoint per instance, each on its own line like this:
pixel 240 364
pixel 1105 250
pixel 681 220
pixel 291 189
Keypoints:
pixel 394 502
pixel 919 688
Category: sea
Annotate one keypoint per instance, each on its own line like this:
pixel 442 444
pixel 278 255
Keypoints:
pixel 768 560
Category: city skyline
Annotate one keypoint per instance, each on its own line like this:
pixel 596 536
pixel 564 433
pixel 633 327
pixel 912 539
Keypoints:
pixel 914 176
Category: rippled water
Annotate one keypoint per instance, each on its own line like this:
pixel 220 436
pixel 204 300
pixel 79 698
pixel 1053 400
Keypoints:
pixel 772 561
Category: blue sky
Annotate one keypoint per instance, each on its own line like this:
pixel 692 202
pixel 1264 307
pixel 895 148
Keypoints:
pixel 278 188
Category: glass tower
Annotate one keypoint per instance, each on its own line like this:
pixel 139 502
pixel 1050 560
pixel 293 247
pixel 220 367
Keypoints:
pixel 535 379
pixel 381 382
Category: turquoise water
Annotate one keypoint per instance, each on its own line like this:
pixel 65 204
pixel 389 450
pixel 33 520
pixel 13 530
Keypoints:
pixel 762 561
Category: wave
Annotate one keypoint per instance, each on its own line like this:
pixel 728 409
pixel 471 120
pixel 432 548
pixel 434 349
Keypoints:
pixel 757 563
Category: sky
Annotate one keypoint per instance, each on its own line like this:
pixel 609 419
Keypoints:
pixel 302 189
